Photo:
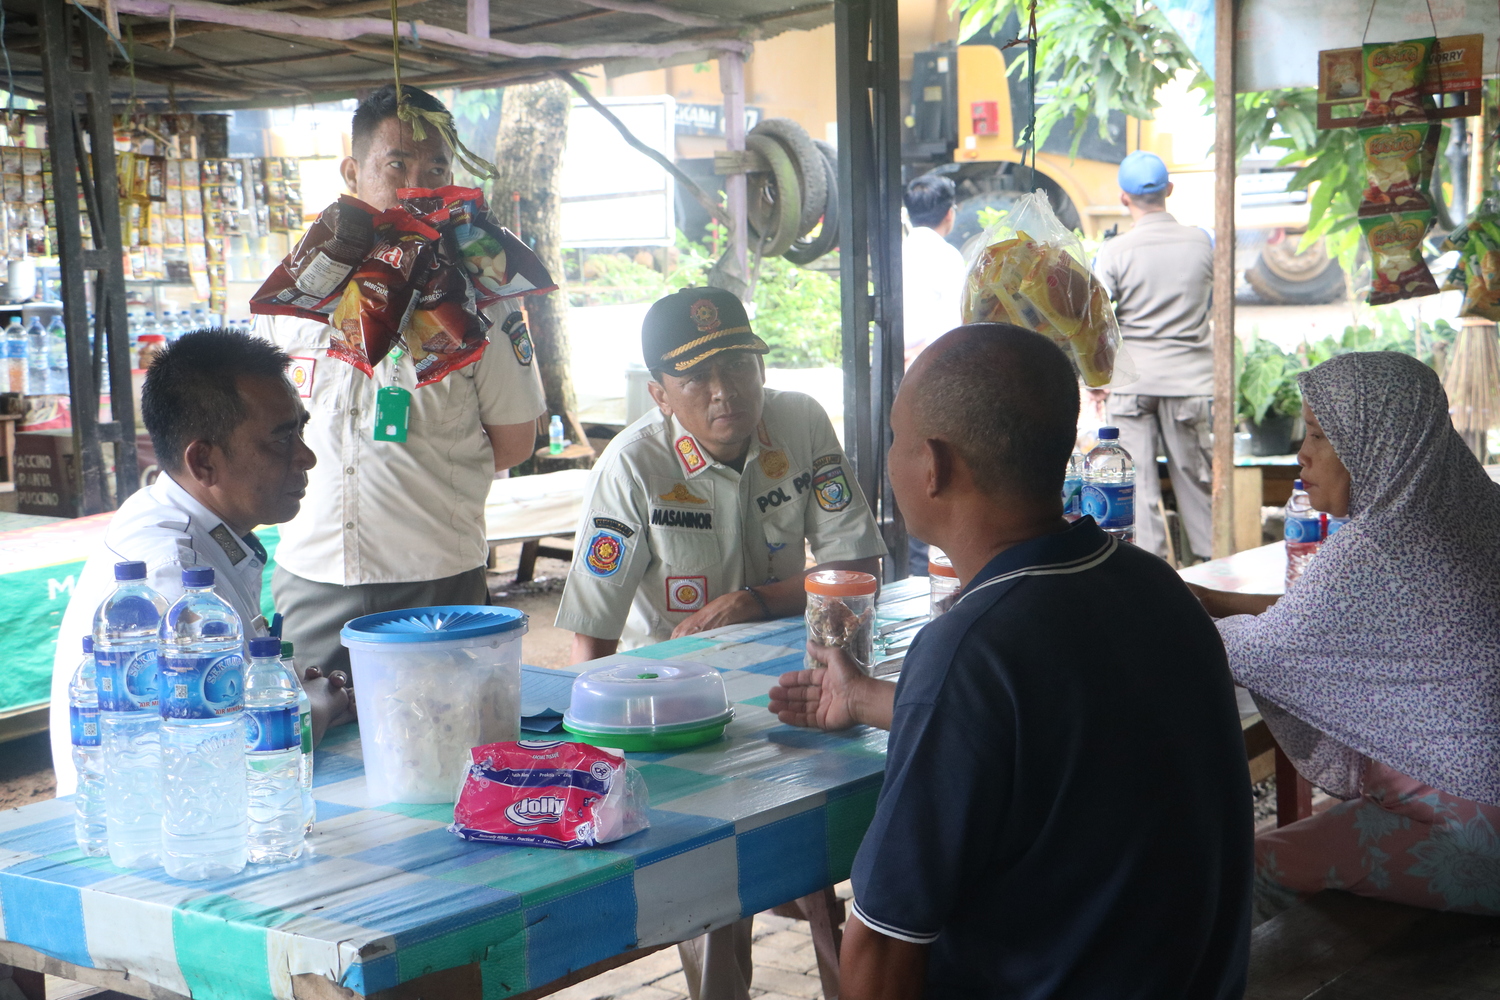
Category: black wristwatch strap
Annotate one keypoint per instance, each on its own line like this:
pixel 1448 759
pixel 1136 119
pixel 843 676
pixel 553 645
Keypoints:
pixel 764 607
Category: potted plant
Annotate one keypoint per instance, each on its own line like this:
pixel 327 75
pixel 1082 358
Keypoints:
pixel 1269 402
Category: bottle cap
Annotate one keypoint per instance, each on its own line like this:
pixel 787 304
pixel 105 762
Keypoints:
pixel 130 571
pixel 940 565
pixel 1109 433
pixel 198 576
pixel 286 650
pixel 1296 484
pixel 840 583
pixel 88 644
pixel 265 645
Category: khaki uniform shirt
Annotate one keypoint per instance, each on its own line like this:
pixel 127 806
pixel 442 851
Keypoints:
pixel 397 512
pixel 1161 276
pixel 666 529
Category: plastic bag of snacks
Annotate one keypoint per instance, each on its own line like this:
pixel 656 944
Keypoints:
pixel 1394 73
pixel 1397 270
pixel 379 297
pixel 497 262
pixel 1477 273
pixel 549 793
pixel 1032 272
pixel 447 329
pixel 308 281
pixel 1397 167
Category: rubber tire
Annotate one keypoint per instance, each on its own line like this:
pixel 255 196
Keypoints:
pixel 1328 286
pixel 803 252
pixel 775 219
pixel 807 161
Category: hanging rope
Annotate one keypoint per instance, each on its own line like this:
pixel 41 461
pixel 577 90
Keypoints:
pixel 442 121
pixel 1031 120
pixel 105 28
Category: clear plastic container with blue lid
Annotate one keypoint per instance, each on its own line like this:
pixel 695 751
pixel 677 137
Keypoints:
pixel 433 683
pixel 646 704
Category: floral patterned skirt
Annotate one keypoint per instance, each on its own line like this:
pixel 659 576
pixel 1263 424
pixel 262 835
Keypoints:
pixel 1401 841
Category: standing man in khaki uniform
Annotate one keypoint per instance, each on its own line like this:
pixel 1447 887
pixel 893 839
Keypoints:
pixel 698 515
pixel 1160 275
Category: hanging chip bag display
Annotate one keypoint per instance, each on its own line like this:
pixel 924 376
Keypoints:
pixel 497 262
pixel 447 329
pixel 308 280
pixel 1477 273
pixel 1397 270
pixel 1397 166
pixel 1394 72
pixel 379 297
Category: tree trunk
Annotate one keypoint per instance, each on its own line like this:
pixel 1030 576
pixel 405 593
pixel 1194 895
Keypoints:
pixel 528 155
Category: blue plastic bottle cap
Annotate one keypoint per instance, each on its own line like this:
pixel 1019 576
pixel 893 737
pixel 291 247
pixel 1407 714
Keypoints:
pixel 130 571
pixel 88 644
pixel 266 645
pixel 1109 433
pixel 1296 484
pixel 198 576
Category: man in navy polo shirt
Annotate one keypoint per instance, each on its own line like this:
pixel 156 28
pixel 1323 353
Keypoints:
pixel 1066 806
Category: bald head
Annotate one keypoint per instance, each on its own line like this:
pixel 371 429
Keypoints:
pixel 1005 399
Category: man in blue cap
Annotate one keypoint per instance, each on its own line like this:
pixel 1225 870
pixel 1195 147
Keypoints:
pixel 1160 275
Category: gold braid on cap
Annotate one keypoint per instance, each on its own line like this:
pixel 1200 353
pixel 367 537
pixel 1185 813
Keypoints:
pixel 727 331
pixel 683 366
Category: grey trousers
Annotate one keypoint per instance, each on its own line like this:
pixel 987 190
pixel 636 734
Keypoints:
pixel 315 612
pixel 717 965
pixel 1182 425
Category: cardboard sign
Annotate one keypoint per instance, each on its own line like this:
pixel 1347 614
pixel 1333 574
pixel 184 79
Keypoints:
pixel 1453 80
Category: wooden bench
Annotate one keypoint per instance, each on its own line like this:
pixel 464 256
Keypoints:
pixel 1338 946
pixel 527 509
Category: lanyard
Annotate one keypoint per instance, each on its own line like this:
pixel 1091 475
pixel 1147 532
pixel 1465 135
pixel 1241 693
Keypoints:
pixel 392 405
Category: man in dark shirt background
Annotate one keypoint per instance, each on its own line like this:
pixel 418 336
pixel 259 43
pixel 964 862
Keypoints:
pixel 1066 805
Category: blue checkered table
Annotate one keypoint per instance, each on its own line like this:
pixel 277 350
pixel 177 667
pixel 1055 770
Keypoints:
pixel 389 903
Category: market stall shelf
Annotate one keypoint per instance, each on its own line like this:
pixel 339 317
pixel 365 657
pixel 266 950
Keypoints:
pixel 387 896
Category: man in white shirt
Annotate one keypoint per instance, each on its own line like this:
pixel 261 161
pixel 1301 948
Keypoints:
pixel 932 269
pixel 227 429
pixel 390 525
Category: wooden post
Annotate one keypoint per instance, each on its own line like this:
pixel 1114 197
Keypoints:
pixel 479 18
pixel 732 84
pixel 1224 384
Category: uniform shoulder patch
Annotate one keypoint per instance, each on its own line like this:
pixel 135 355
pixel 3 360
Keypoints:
pixel 831 488
pixel 822 460
pixel 607 546
pixel 229 544
pixel 679 493
pixel 687 452
pixel 516 331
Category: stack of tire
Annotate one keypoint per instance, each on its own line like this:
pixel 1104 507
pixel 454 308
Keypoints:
pixel 799 190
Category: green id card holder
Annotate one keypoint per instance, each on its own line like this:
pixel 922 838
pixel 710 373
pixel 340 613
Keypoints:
pixel 392 410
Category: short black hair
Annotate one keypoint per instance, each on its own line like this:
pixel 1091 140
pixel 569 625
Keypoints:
pixel 381 105
pixel 1150 199
pixel 190 392
pixel 928 199
pixel 1006 399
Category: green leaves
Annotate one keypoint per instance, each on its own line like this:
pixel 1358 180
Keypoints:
pixel 1093 57
pixel 1268 382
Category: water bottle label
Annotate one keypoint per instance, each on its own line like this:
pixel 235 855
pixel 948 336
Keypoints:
pixel 1335 523
pixel 1072 498
pixel 1112 505
pixel 1303 529
pixel 202 686
pixel 127 679
pixel 85 726
pixel 272 728
pixel 306 729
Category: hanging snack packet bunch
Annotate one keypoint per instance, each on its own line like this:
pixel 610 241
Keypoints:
pixel 308 282
pixel 1032 272
pixel 549 793
pixel 1477 273
pixel 1398 167
pixel 381 294
pixel 1394 74
pixel 1397 270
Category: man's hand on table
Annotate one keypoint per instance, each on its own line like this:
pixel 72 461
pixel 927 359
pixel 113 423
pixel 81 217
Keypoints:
pixel 330 698
pixel 730 609
pixel 834 696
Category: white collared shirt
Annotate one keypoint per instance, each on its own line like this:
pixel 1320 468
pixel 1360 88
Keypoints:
pixel 388 512
pixel 932 288
pixel 666 528
pixel 165 528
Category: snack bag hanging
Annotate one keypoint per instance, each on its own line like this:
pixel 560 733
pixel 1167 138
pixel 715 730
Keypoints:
pixel 1397 270
pixel 382 292
pixel 497 262
pixel 1033 273
pixel 1477 273
pixel 1394 72
pixel 1397 166
pixel 308 280
pixel 447 330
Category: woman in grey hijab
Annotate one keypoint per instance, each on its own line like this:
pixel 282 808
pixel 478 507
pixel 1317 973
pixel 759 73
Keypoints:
pixel 1379 670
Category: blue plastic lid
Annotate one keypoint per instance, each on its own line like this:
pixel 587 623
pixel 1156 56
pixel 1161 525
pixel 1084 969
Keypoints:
pixel 198 576
pixel 440 624
pixel 1109 433
pixel 1296 484
pixel 265 645
pixel 88 644
pixel 130 571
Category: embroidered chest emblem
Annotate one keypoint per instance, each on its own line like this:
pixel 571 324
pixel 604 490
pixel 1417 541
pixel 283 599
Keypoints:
pixel 679 493
pixel 774 463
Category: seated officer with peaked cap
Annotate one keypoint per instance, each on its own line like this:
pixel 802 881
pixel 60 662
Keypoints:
pixel 697 513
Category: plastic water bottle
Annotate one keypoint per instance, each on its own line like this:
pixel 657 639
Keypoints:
pixel 273 755
pixel 1303 532
pixel 1072 496
pixel 57 353
pixel 36 356
pixel 1331 524
pixel 200 320
pixel 127 644
pixel 203 823
pixel 15 356
pixel 555 436
pixel 304 729
pixel 1109 486
pixel 88 757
